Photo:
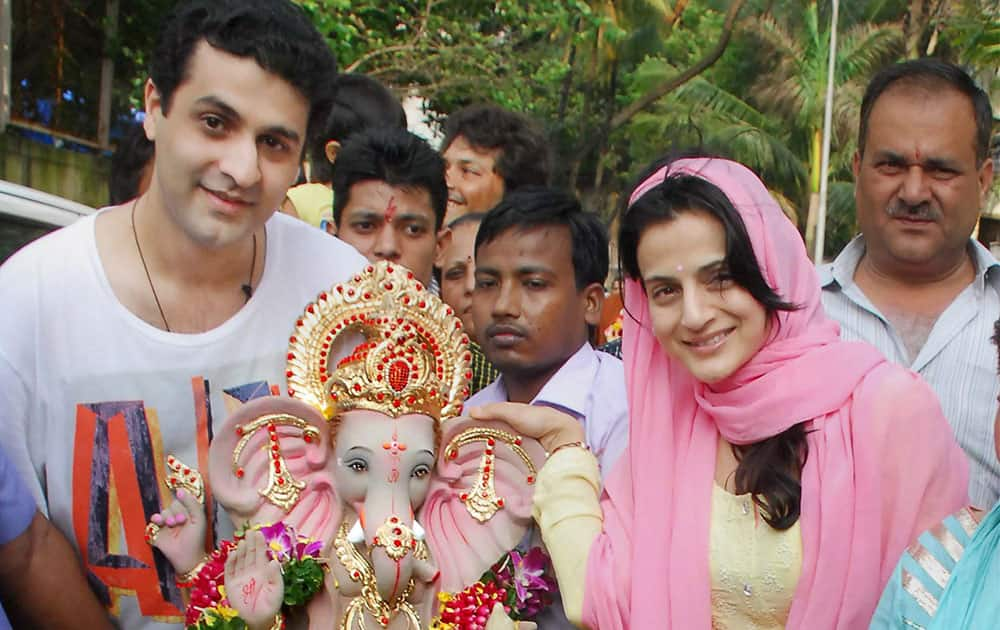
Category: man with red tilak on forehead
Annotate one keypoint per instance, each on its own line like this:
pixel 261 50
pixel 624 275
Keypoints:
pixel 915 283
pixel 390 198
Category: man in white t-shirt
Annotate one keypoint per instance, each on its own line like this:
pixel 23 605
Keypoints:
pixel 130 335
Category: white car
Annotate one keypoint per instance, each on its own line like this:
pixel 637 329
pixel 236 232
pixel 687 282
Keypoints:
pixel 26 214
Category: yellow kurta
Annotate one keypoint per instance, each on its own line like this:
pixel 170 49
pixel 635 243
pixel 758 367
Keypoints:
pixel 754 568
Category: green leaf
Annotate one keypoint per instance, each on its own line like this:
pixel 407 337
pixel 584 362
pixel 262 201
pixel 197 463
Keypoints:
pixel 303 579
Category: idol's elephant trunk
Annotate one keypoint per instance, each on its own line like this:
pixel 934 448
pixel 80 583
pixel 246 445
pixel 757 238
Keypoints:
pixel 392 534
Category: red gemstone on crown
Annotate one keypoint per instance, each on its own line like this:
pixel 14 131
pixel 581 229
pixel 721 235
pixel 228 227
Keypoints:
pixel 399 375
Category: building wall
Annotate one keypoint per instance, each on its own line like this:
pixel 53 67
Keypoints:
pixel 82 177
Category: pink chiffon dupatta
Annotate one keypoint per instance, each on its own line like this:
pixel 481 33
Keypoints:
pixel 868 486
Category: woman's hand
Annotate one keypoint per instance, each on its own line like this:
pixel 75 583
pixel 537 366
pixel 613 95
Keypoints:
pixel 550 427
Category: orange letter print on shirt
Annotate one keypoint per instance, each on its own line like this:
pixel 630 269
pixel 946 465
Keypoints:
pixel 114 465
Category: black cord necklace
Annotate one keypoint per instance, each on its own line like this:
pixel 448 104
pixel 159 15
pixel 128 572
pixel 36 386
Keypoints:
pixel 247 288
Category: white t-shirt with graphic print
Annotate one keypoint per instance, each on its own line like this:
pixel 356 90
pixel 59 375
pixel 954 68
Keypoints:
pixel 93 399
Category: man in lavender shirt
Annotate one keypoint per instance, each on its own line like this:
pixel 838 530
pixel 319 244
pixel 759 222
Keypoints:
pixel 541 262
pixel 41 581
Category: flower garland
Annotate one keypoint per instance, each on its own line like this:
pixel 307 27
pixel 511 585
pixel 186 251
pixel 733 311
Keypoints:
pixel 301 570
pixel 522 584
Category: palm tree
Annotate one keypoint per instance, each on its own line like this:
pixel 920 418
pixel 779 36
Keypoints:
pixel 794 87
pixel 773 121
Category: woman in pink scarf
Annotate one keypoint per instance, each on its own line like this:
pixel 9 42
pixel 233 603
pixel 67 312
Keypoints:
pixel 738 384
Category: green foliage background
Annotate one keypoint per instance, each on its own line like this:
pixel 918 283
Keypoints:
pixel 577 66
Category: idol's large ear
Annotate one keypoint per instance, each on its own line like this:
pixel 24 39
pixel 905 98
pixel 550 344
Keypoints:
pixel 479 503
pixel 272 462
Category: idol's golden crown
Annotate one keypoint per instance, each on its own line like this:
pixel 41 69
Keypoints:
pixel 413 355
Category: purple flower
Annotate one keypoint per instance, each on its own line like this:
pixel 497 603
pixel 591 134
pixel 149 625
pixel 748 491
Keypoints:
pixel 307 548
pixel 283 544
pixel 280 540
pixel 529 576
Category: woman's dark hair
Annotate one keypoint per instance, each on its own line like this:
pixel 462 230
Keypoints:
pixel 770 469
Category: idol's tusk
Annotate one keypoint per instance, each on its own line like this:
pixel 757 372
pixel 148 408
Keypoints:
pixel 356 535
pixel 418 531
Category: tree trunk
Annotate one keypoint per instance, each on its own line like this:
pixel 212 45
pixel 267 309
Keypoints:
pixel 568 79
pixel 915 23
pixel 815 151
pixel 674 15
pixel 60 22
pixel 107 74
pixel 811 223
pixel 591 142
pixel 5 48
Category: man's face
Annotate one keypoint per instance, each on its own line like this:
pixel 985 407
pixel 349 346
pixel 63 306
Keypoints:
pixel 384 222
pixel 458 270
pixel 918 187
pixel 530 318
pixel 473 182
pixel 229 148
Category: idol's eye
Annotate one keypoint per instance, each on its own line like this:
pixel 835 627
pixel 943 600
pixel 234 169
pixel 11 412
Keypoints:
pixel 421 471
pixel 357 465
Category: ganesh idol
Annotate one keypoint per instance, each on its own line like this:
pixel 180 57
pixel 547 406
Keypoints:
pixel 362 499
